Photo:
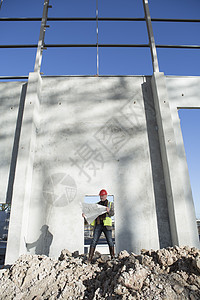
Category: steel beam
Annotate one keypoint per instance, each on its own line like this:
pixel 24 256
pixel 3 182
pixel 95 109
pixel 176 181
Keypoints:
pixel 54 19
pixel 100 45
pixel 38 58
pixel 151 36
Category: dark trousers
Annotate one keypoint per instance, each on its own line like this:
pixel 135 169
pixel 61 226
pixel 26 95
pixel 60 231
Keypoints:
pixel 98 229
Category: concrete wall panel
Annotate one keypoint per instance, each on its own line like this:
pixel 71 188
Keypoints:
pixel 10 95
pixel 183 91
pixel 180 203
pixel 82 134
pixel 94 136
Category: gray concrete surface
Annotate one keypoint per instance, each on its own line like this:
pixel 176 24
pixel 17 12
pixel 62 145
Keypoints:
pixel 10 95
pixel 180 205
pixel 82 134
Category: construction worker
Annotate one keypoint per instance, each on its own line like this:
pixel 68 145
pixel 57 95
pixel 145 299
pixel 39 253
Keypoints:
pixel 103 223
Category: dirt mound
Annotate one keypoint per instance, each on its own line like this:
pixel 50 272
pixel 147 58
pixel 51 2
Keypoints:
pixel 170 273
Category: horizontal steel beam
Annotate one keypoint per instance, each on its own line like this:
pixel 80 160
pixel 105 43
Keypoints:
pixel 179 46
pixel 21 19
pixel 174 20
pixel 13 77
pixel 95 45
pixel 19 46
pixel 101 45
pixel 94 19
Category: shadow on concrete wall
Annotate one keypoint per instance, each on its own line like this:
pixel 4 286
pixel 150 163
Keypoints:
pixel 125 238
pixel 43 243
pixel 16 145
pixel 157 168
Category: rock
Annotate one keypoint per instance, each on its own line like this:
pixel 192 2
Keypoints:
pixel 123 254
pixel 65 254
pixel 170 273
pixel 192 297
pixel 178 288
pixel 196 263
pixel 133 279
pixel 75 254
pixel 165 257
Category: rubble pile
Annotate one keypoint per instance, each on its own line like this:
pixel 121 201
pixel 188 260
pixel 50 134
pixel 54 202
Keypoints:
pixel 169 273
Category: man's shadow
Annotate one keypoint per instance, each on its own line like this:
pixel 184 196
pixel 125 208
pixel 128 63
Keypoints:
pixel 42 245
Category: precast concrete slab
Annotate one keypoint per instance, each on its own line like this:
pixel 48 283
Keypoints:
pixel 11 94
pixel 82 134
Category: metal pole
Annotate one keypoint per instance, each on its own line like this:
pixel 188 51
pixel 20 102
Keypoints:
pixel 97 38
pixel 1 3
pixel 40 46
pixel 151 36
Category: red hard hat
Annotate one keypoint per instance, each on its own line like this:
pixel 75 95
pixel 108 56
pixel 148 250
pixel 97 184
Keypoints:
pixel 102 193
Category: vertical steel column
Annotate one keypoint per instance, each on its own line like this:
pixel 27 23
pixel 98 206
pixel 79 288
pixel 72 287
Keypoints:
pixel 151 36
pixel 1 3
pixel 40 47
pixel 97 28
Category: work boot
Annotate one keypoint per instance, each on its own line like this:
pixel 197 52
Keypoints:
pixel 112 251
pixel 91 253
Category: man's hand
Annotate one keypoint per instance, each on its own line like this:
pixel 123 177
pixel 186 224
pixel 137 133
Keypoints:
pixel 108 209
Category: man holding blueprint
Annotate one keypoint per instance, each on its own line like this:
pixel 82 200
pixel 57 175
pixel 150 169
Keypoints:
pixel 99 216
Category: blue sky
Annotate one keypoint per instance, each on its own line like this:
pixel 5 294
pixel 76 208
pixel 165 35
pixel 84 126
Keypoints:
pixel 113 61
pixel 120 61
